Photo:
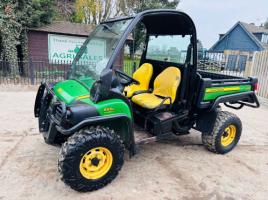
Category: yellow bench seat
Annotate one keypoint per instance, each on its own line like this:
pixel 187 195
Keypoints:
pixel 165 86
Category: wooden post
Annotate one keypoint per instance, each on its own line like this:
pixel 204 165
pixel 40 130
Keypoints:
pixel 260 70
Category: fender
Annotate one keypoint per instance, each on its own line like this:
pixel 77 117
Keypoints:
pixel 113 121
pixel 238 98
pixel 205 121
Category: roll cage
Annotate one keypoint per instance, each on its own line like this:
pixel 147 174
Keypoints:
pixel 156 22
pixel 159 22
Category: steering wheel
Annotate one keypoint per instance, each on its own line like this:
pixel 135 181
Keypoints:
pixel 125 79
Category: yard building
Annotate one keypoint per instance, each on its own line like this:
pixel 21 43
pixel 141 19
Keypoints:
pixel 242 37
pixel 58 41
pixel 239 44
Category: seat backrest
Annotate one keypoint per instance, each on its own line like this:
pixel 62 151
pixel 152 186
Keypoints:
pixel 167 82
pixel 144 74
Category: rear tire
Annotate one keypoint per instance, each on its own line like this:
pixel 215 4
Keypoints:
pixel 81 149
pixel 225 133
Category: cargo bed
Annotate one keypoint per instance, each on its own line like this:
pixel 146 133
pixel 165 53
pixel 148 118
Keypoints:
pixel 234 92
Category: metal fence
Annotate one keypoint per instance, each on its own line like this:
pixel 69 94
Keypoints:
pixel 228 63
pixel 34 72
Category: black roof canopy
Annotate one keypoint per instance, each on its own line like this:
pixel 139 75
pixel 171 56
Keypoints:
pixel 163 22
pixel 168 23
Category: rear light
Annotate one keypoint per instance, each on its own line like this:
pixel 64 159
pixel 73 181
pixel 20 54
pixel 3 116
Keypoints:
pixel 255 86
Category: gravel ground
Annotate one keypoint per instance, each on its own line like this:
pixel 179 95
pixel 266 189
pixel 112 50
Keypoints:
pixel 179 168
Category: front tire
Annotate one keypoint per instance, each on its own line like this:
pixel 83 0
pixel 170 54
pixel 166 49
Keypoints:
pixel 91 158
pixel 225 133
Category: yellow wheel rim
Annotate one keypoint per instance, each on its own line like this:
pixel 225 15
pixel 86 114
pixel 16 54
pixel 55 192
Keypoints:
pixel 96 163
pixel 228 135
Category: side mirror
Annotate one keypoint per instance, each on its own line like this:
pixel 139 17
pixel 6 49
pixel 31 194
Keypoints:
pixel 101 88
pixel 105 82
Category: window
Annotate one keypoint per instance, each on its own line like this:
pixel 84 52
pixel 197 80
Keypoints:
pixel 231 64
pixel 133 49
pixel 264 38
pixel 169 48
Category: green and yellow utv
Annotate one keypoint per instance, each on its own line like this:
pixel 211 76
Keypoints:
pixel 95 111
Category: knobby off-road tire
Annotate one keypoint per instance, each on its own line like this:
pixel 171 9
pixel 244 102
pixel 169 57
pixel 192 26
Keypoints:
pixel 213 141
pixel 80 145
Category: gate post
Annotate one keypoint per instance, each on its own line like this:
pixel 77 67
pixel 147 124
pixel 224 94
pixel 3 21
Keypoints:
pixel 31 68
pixel 134 67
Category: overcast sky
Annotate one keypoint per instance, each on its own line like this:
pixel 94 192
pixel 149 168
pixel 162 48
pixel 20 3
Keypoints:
pixel 212 17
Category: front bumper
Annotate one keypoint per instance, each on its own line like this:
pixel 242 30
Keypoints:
pixel 49 113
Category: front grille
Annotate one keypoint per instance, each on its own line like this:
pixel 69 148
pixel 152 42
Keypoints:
pixel 59 111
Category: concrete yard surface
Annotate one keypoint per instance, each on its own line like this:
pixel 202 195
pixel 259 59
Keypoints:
pixel 178 168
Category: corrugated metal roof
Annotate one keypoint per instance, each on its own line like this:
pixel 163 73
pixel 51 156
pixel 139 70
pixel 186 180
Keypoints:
pixel 63 27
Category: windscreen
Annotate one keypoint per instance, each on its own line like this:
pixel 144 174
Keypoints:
pixel 96 51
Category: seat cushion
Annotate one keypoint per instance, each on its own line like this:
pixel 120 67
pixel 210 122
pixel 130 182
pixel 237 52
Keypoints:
pixel 167 82
pixel 148 100
pixel 165 85
pixel 143 74
pixel 129 90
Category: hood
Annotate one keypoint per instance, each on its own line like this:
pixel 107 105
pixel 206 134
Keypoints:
pixel 71 90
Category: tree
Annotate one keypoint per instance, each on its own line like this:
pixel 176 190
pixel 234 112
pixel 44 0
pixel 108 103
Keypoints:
pixel 15 17
pixel 34 13
pixel 93 11
pixel 141 5
pixel 65 10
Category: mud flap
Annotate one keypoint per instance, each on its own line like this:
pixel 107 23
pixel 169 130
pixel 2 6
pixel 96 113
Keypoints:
pixel 206 121
pixel 50 135
pixel 38 100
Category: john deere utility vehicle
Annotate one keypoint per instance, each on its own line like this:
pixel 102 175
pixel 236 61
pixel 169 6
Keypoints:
pixel 94 111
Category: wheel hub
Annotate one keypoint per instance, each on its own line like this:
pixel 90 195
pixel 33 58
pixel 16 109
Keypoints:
pixel 228 135
pixel 96 163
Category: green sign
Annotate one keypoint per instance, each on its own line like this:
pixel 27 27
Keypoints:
pixel 64 49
